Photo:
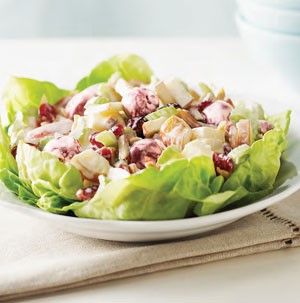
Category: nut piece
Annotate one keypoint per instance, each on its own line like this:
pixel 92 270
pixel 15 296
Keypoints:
pixel 140 102
pixel 90 164
pixel 76 105
pixel 244 132
pixel 240 134
pixel 144 151
pixel 188 118
pixel 123 147
pixel 218 111
pixel 64 148
pixel 175 131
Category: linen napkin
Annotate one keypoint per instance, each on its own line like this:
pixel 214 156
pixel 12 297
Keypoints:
pixel 37 258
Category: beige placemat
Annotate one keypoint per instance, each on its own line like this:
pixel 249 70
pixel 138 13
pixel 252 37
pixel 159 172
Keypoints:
pixel 36 258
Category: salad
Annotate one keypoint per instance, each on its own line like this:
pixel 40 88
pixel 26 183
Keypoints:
pixel 125 145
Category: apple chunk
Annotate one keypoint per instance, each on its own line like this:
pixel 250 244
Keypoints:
pixel 179 92
pixel 163 93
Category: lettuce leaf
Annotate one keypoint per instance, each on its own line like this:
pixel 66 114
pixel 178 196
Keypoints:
pixel 184 184
pixel 51 202
pixel 154 194
pixel 258 166
pixel 130 66
pixel 45 174
pixel 217 201
pixel 25 95
pixel 251 111
pixel 281 121
pixel 9 171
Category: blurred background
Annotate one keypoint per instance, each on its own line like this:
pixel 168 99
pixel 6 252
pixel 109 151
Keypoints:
pixel 92 18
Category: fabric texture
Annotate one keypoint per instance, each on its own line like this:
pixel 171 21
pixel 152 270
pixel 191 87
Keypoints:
pixel 36 258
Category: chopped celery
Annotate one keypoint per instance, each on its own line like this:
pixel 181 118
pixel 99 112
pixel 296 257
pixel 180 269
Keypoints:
pixel 163 112
pixel 107 138
pixel 206 89
pixel 97 100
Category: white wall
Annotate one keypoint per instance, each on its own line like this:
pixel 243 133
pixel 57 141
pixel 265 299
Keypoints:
pixel 56 18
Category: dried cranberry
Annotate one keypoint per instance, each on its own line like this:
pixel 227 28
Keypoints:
pixel 118 130
pixel 222 163
pixel 79 110
pixel 93 140
pixel 174 105
pixel 86 194
pixel 106 153
pixel 227 148
pixel 14 151
pixel 47 113
pixel 203 105
pixel 124 166
pixel 137 125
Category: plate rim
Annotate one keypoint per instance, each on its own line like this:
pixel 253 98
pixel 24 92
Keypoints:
pixel 159 225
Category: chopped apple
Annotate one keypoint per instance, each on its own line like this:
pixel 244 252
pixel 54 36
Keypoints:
pixel 90 164
pixel 196 114
pixel 101 121
pixel 216 145
pixel 153 126
pixel 175 131
pixel 197 148
pixel 179 92
pixel 195 95
pixel 122 87
pixel 163 93
pixel 111 106
pixel 206 132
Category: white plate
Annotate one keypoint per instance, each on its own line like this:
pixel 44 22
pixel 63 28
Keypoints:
pixel 139 231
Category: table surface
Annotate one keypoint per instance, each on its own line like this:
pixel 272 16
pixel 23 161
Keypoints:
pixel 263 277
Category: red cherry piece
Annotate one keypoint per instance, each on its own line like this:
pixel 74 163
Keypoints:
pixel 47 113
pixel 93 140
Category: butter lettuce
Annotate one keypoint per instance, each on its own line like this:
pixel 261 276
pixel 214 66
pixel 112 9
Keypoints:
pixel 154 194
pixel 9 171
pixel 251 111
pixel 182 186
pixel 178 187
pixel 50 179
pixel 281 121
pixel 260 165
pixel 25 95
pixel 130 66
